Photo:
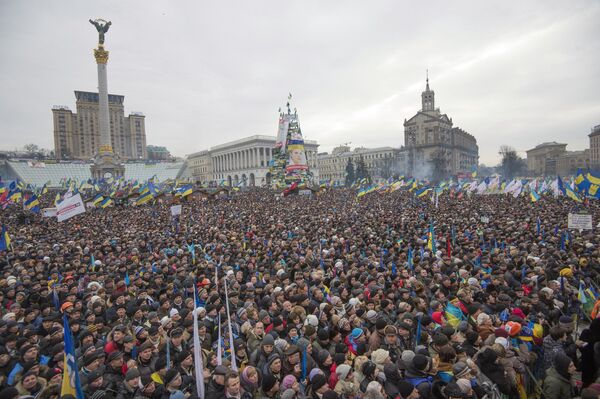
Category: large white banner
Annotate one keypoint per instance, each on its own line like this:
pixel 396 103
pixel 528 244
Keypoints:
pixel 48 212
pixel 579 221
pixel 70 207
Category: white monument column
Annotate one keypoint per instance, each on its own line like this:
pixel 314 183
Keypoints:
pixel 106 163
pixel 101 56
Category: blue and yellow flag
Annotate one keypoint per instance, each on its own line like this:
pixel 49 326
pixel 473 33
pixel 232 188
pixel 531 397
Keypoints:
pixel 106 202
pixel 98 199
pixel 453 314
pixel 4 240
pixel 33 204
pixel 572 194
pixel 71 386
pixel 535 197
pixel 431 239
pixel 423 192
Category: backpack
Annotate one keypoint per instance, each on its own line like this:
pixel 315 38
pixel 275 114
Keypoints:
pixel 416 381
pixel 491 389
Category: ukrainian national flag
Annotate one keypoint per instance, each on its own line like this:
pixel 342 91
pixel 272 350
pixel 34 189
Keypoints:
pixel 453 314
pixel 106 202
pixel 71 386
pixel 185 191
pixel 32 202
pixel 572 194
pixel 535 197
pixel 431 239
pixel 4 240
pixel 423 192
pixel 57 199
pixel 99 198
pixel 142 199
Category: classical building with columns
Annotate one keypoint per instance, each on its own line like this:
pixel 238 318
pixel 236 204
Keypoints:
pixel 243 162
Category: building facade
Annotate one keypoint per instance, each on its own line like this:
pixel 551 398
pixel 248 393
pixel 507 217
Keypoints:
pixel 243 162
pixel 382 162
pixel 77 135
pixel 157 153
pixel 595 147
pixel 542 160
pixel 570 161
pixel 431 142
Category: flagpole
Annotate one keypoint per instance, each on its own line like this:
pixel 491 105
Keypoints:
pixel 198 366
pixel 231 347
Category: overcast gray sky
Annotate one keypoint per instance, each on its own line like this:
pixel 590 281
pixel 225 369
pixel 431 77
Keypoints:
pixel 203 73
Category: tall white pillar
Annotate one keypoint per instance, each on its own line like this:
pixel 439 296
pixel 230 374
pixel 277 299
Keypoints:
pixel 101 56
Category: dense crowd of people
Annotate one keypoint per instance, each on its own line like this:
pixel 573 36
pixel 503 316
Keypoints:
pixel 329 297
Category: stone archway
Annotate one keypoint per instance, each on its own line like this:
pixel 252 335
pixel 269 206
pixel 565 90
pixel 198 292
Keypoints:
pixel 236 180
pixel 252 180
pixel 229 181
pixel 244 180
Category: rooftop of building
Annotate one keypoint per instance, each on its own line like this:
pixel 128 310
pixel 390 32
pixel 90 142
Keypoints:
pixel 40 172
pixel 595 131
pixel 269 140
pixel 547 144
pixel 357 150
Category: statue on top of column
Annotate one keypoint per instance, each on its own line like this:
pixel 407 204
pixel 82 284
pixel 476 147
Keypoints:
pixel 102 27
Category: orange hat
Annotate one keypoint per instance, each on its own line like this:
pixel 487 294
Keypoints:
pixel 512 328
pixel 66 306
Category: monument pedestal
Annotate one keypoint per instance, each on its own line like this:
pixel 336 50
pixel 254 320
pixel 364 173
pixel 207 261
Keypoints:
pixel 106 165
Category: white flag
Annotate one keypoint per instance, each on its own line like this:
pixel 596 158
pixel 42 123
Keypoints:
pixel 70 207
pixel 231 347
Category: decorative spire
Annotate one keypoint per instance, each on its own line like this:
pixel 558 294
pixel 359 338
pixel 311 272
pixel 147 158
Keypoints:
pixel 427 80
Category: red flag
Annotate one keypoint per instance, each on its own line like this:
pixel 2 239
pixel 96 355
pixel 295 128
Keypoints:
pixel 448 247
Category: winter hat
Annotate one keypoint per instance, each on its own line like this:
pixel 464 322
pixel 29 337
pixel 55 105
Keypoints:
pixel 460 369
pixel 322 355
pixel 372 316
pixel 268 340
pixel 312 320
pixel 407 357
pixel 317 382
pixel 512 328
pixel 268 382
pixel 561 364
pixel 420 362
pixel 170 376
pixel 502 341
pixel 9 393
pixel 357 332
pixel 464 385
pixel 342 371
pixel 379 356
pixel 313 373
pixel 287 382
pixel 405 388
pixel 452 390
pixel 131 374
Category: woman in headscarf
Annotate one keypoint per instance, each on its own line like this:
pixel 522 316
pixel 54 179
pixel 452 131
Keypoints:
pixel 557 384
pixel 250 380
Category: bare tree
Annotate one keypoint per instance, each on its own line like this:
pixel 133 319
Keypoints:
pixel 511 164
pixel 32 148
